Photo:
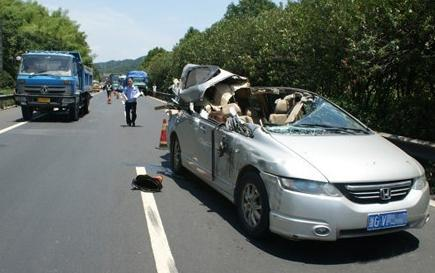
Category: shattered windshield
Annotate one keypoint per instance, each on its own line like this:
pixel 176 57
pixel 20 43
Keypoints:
pixel 46 65
pixel 318 117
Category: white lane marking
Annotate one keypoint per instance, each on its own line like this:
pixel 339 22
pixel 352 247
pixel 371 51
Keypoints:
pixel 159 243
pixel 432 203
pixel 12 127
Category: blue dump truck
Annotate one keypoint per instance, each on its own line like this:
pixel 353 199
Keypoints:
pixel 140 79
pixel 53 81
pixel 114 81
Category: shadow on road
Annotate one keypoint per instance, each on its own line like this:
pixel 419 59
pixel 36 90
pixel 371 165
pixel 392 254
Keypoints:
pixel 61 117
pixel 346 251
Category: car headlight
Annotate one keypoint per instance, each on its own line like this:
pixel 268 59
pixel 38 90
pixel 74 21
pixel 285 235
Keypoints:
pixel 309 187
pixel 419 183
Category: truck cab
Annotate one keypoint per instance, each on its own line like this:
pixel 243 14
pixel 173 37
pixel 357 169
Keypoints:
pixel 140 80
pixel 53 81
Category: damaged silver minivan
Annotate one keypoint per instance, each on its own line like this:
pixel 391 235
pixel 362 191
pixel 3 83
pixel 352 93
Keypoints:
pixel 292 162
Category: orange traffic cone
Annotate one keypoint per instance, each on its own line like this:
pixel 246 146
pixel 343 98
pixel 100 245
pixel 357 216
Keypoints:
pixel 163 138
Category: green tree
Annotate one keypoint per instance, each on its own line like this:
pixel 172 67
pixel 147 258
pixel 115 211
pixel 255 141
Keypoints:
pixel 158 70
pixel 150 55
pixel 30 26
pixel 248 8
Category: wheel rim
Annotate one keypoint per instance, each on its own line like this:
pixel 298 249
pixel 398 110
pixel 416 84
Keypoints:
pixel 177 154
pixel 251 205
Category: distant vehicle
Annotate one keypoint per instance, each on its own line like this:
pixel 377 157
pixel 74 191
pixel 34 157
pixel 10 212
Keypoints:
pixel 293 162
pixel 95 86
pixel 140 79
pixel 122 82
pixel 49 80
pixel 114 81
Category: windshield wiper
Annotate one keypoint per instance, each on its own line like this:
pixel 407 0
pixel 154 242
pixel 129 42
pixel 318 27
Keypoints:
pixel 333 128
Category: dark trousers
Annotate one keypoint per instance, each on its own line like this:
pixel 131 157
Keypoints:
pixel 130 107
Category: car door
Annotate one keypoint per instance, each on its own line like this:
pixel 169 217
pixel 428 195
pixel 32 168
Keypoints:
pixel 185 127
pixel 203 133
pixel 224 169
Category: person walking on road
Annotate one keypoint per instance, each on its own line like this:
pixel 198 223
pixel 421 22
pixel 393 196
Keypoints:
pixel 108 88
pixel 130 93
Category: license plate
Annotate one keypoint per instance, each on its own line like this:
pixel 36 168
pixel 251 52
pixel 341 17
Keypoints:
pixel 43 100
pixel 376 221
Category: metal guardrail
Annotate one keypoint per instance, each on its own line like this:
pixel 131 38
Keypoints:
pixel 422 151
pixel 7 101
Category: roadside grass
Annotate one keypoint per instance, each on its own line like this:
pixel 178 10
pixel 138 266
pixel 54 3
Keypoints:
pixel 4 103
pixel 6 91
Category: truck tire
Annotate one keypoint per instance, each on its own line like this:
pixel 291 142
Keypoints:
pixel 253 205
pixel 27 112
pixel 86 102
pixel 74 112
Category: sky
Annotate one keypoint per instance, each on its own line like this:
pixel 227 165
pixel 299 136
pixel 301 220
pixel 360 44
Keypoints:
pixel 128 29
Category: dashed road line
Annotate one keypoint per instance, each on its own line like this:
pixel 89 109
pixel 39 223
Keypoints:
pixel 159 243
pixel 432 203
pixel 12 127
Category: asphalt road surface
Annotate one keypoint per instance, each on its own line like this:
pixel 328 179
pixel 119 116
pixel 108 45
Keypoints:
pixel 66 206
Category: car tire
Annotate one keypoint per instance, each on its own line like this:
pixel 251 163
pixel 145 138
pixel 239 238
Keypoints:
pixel 27 112
pixel 253 205
pixel 176 165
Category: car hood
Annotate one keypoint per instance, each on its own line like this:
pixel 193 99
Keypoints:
pixel 347 159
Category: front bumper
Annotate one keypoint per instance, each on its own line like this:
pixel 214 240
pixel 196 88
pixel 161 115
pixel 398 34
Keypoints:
pixel 297 215
pixel 54 101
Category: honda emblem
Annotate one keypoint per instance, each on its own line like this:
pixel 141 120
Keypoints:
pixel 385 194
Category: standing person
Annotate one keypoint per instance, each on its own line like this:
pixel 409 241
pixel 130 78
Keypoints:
pixel 130 93
pixel 108 88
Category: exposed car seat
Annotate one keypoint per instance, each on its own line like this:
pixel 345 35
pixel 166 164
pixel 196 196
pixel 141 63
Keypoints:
pixel 223 94
pixel 280 114
pixel 296 113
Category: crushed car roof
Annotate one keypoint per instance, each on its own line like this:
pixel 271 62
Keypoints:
pixel 196 79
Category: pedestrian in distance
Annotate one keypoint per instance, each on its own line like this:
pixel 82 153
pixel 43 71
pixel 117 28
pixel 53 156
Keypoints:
pixel 130 94
pixel 108 88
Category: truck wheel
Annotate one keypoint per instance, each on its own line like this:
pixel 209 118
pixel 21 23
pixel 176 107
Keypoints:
pixel 253 205
pixel 74 112
pixel 27 112
pixel 176 165
pixel 86 105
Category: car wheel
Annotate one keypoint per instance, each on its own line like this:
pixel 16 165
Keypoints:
pixel 253 205
pixel 176 165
